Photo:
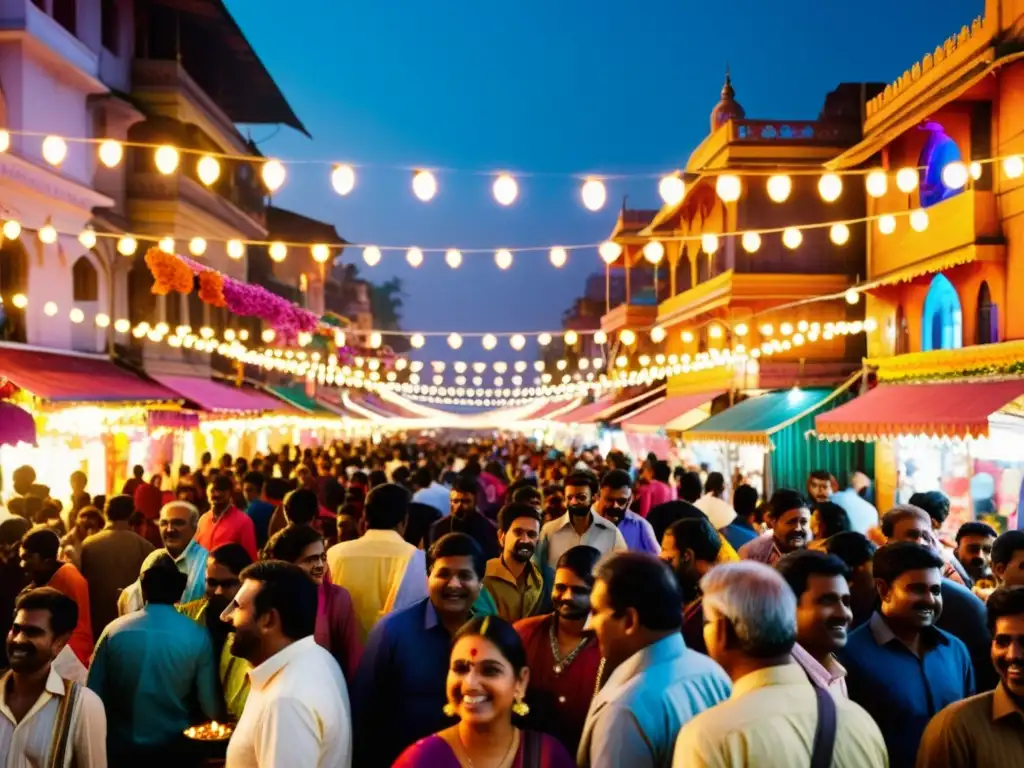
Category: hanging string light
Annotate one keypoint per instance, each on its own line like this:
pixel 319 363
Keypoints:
pixel 558 257
pixel 166 159
pixel 505 189
pixel 453 258
pixel 110 153
pixel 208 170
pixel 503 258
pixel 55 149
pixel 593 194
pixel 371 255
pixel 343 179
pixel 424 185
pixel 779 188
pixel 876 183
pixel 414 257
pixel 672 189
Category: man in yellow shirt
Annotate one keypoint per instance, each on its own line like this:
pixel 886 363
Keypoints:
pixel 514 585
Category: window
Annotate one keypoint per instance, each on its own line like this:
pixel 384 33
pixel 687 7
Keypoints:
pixel 902 341
pixel 65 13
pixel 84 280
pixel 13 280
pixel 110 26
pixel 938 152
pixel 141 301
pixel 942 323
pixel 987 325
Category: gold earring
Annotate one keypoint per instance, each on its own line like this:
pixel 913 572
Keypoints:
pixel 449 710
pixel 521 708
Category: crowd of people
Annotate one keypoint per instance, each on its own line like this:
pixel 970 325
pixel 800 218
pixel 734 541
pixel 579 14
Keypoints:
pixel 498 605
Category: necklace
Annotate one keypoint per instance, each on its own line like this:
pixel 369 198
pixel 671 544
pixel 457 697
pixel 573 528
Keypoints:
pixel 562 664
pixel 505 761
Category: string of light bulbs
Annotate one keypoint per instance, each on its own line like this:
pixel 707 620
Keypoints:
pixel 505 187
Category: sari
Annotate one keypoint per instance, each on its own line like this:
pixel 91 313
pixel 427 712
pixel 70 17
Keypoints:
pixel 545 751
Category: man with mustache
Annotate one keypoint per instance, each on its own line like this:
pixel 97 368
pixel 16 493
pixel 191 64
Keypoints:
pixel 564 660
pixel 514 586
pixel 985 730
pixel 902 668
pixel 466 518
pixel 691 546
pixel 823 614
pixel 974 542
pixel 223 569
pixel 579 525
pixel 33 694
pixel 613 505
pixel 790 521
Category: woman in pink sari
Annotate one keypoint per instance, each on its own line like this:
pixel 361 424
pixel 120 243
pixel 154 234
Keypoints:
pixel 487 680
pixel 336 624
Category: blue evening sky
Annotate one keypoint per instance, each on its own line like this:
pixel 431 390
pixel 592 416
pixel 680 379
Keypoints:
pixel 552 86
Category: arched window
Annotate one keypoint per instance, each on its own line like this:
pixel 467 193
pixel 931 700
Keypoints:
pixel 141 301
pixel 902 345
pixel 938 152
pixel 987 331
pixel 84 280
pixel 942 323
pixel 703 267
pixel 13 280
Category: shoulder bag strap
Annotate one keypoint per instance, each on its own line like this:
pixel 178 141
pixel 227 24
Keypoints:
pixel 61 736
pixel 825 731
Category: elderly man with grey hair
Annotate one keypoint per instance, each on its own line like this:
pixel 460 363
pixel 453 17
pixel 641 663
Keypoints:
pixel 178 523
pixel 775 714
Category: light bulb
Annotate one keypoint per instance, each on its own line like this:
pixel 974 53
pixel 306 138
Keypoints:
pixel 741 330
pixel 424 185
pixel 627 337
pixel 779 188
pixel 906 180
pixel 371 255
pixel 208 169
pixel 558 257
pixel 839 234
pixel 709 244
pixel 503 258
pixel 792 237
pixel 111 153
pixel 453 258
pixel 609 251
pixel 517 342
pixel 278 251
pixel 166 159
pixel 50 308
pixel 919 220
pixel 976 170
pixel 12 229
pixel 236 249
pixel 273 174
pixel 343 179
pixel 1013 166
pixel 19 300
pixel 658 334
pixel 197 246
pixel 672 189
pixel 600 337
pixel 852 297
pixel 5 140
pixel 877 183
pixel 715 331
pixel 489 341
pixel 830 187
pixel 654 251
pixel 127 245
pixel 955 175
pixel 87 238
pixel 544 339
pixel 375 341
pixel 505 189
pixel 122 325
pixel 321 253
pixel 751 241
pixel 454 341
pixel 887 224
pixel 55 149
pixel 594 194
pixel 571 337
pixel 48 234
pixel 414 257
pixel 102 320
pixel 728 188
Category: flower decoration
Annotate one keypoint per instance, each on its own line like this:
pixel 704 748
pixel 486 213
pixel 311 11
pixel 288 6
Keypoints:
pixel 211 288
pixel 169 272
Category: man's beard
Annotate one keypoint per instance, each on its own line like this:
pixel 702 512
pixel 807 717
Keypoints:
pixel 689 583
pixel 570 611
pixel 523 553
pixel 31 662
pixel 245 644
pixel 579 510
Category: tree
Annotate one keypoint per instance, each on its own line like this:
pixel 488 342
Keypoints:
pixel 386 304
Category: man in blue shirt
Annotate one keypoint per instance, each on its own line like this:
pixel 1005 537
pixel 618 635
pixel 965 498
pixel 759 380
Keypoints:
pixel 741 530
pixel 150 668
pixel 902 668
pixel 399 693
pixel 259 509
pixel 613 505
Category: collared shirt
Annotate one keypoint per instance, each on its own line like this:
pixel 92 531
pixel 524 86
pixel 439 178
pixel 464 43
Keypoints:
pixel 772 714
pixel 558 537
pixel 513 599
pixel 436 495
pixel 69 581
pixel 964 617
pixel 635 718
pixel 191 562
pixel 233 671
pixel 638 534
pixel 863 515
pixel 233 526
pixel 399 692
pixel 900 690
pixel 831 677
pixel 26 744
pixel 297 714
pixel 474 524
pixel 382 573
pixel 149 669
pixel 984 730
pixel 719 512
pixel 649 495
pixel 738 533
pixel 763 549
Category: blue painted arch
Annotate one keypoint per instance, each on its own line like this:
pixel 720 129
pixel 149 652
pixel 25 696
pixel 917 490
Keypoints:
pixel 942 321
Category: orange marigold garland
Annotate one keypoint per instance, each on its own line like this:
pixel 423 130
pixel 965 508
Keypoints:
pixel 169 272
pixel 211 288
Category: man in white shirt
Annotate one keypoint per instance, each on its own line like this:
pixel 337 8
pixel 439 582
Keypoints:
pixel 579 525
pixel 297 713
pixel 45 719
pixel 429 491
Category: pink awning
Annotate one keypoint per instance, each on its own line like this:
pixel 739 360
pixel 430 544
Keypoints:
pixel 662 414
pixel 587 414
pixel 548 408
pixel 214 396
